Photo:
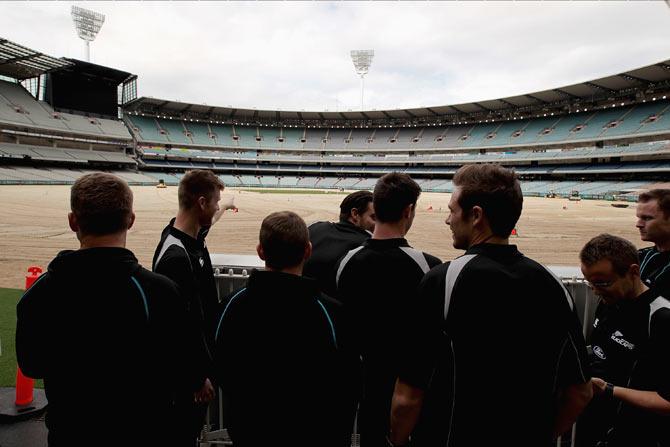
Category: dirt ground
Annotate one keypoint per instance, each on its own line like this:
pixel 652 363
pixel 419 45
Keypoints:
pixel 33 225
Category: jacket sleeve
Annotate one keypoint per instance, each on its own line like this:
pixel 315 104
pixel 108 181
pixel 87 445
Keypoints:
pixel 178 337
pixel 573 366
pixel 176 266
pixel 659 345
pixel 33 328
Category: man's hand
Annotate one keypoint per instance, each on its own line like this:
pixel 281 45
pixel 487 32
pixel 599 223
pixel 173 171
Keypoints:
pixel 228 203
pixel 204 394
pixel 598 385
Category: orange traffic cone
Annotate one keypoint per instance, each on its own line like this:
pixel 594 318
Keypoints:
pixel 22 401
pixel 24 388
pixel 35 273
pixel 25 385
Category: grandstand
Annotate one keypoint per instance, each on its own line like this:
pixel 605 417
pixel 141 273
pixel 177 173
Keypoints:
pixel 43 143
pixel 604 138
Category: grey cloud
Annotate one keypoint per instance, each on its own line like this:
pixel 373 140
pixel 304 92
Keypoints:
pixel 296 55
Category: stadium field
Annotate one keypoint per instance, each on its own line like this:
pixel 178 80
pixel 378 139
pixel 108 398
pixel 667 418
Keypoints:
pixel 292 191
pixel 34 225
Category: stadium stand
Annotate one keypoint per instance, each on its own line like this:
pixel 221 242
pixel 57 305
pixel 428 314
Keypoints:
pixel 580 127
pixel 18 107
pixel 148 129
pixel 200 133
pixel 291 138
pixel 602 136
pixel 175 132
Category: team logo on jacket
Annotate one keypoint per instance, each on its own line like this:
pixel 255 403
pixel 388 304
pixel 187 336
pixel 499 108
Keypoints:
pixel 618 338
pixel 202 262
pixel 597 350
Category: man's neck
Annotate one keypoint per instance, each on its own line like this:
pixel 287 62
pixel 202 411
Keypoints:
pixel 349 221
pixel 296 270
pixel 488 238
pixel 117 240
pixel 187 223
pixel 663 246
pixel 639 288
pixel 389 230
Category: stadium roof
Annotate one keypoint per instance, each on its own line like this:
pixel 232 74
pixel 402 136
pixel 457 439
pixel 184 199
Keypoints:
pixel 19 62
pixel 635 83
pixel 87 69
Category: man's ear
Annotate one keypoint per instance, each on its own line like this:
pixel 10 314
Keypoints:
pixel 634 270
pixel 132 220
pixel 477 215
pixel 353 215
pixel 259 250
pixel 72 221
pixel 407 212
pixel 308 251
pixel 202 202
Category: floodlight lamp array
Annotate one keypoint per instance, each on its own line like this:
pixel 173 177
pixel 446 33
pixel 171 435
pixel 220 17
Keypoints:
pixel 87 23
pixel 362 60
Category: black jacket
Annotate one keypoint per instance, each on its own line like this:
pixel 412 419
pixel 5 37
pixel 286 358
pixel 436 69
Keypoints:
pixel 655 269
pixel 492 336
pixel 630 343
pixel 186 261
pixel 376 283
pixel 283 362
pixel 330 242
pixel 104 334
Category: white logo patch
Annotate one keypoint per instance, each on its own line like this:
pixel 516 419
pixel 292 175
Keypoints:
pixel 597 350
pixel 202 262
pixel 617 337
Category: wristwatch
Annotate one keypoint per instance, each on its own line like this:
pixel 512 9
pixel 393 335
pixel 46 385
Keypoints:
pixel 609 389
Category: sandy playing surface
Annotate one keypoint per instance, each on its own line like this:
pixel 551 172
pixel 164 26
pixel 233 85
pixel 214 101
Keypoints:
pixel 33 225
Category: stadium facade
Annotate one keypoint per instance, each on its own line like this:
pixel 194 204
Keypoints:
pixel 60 118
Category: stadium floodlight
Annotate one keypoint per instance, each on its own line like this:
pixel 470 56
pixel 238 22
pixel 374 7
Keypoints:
pixel 362 60
pixel 88 24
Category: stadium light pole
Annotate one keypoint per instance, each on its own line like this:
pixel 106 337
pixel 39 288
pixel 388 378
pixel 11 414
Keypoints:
pixel 362 60
pixel 88 24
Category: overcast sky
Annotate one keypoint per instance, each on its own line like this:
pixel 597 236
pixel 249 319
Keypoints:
pixel 295 56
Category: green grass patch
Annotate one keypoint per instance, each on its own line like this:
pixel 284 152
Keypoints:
pixel 291 191
pixel 8 300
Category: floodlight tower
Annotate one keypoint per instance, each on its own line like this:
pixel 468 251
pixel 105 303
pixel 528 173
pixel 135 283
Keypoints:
pixel 88 24
pixel 362 60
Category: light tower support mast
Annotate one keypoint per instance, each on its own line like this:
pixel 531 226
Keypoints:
pixel 362 60
pixel 88 24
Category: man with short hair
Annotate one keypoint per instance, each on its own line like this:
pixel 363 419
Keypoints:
pixel 332 240
pixel 630 344
pixel 182 256
pixel 653 222
pixel 281 350
pixel 493 340
pixel 376 282
pixel 102 331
